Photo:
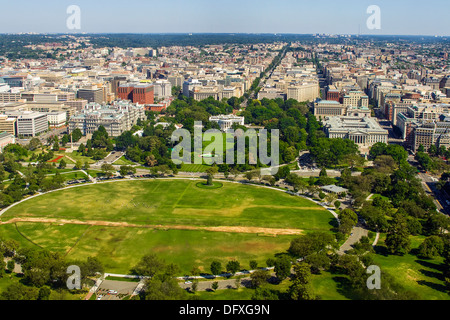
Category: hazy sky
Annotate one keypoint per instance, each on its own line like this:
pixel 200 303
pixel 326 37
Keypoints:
pixel 398 17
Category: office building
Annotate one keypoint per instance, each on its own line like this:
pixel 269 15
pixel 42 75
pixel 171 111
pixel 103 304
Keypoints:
pixel 8 124
pixel 326 108
pixel 6 139
pixel 365 132
pixel 142 93
pixel 92 94
pixel 303 92
pixel 29 123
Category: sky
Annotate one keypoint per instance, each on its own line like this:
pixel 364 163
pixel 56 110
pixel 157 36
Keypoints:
pixel 397 17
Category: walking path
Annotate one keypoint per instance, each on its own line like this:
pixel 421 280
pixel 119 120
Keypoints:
pixel 356 235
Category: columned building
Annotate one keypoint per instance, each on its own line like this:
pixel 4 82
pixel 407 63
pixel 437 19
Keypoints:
pixel 365 132
pixel 326 108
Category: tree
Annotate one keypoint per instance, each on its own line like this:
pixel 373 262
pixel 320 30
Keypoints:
pixel 125 170
pixel 270 262
pixel 318 262
pixel 215 285
pixel 65 140
pixel 91 267
pixel 431 247
pixel 270 179
pixel 194 285
pixel 282 267
pixel 18 291
pixel 237 282
pixel 234 172
pixel 264 294
pixel 149 265
pixel 76 135
pixel 253 264
pixel 233 266
pixel 78 165
pixel 10 265
pixel 397 239
pixel 44 293
pixel 330 197
pixel 34 144
pixel 62 164
pixel 209 180
pixel 337 204
pixel 86 165
pixel 259 277
pixel 310 243
pixel 151 160
pixel 437 224
pixel 163 288
pixel 347 220
pixel 55 146
pixel 250 175
pixel 216 267
pixel 108 169
pixel 300 289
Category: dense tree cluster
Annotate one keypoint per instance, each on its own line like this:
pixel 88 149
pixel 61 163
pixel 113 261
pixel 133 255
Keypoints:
pixel 43 271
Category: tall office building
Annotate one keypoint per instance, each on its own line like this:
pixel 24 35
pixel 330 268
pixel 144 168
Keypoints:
pixel 8 124
pixel 29 123
pixel 142 93
pixel 304 92
pixel 92 94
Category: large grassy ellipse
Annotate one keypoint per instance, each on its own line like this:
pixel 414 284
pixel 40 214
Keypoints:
pixel 120 222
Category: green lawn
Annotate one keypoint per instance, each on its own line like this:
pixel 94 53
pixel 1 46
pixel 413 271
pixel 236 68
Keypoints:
pixel 422 276
pixel 225 295
pixel 168 203
pixel 194 167
pixel 178 202
pixel 124 162
pixel 119 248
pixel 75 155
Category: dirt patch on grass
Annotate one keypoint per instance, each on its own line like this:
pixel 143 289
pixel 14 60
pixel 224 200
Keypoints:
pixel 231 229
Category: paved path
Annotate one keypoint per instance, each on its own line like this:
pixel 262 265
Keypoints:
pixel 355 236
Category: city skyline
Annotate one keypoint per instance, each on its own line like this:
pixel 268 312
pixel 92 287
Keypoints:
pixel 250 16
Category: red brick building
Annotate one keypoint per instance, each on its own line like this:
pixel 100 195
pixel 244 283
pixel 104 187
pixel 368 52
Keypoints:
pixel 137 93
pixel 160 106
pixel 333 95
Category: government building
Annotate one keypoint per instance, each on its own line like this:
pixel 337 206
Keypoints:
pixel 365 131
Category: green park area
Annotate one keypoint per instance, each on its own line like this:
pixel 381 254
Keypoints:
pixel 121 222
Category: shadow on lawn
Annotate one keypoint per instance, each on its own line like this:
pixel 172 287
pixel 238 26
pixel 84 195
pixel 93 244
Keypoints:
pixel 333 222
pixel 431 265
pixel 432 285
pixel 431 274
pixel 381 250
pixel 344 286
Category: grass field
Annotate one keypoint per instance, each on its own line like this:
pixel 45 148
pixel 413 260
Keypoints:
pixel 193 167
pixel 124 162
pixel 137 206
pixel 423 276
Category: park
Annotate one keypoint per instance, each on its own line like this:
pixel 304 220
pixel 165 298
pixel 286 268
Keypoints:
pixel 187 225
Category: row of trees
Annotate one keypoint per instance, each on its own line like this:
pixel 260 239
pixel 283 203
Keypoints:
pixel 43 271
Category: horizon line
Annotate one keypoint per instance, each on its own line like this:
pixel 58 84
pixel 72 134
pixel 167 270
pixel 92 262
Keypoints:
pixel 223 33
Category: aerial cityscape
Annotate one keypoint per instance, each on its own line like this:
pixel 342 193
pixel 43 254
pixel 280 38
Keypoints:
pixel 202 164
